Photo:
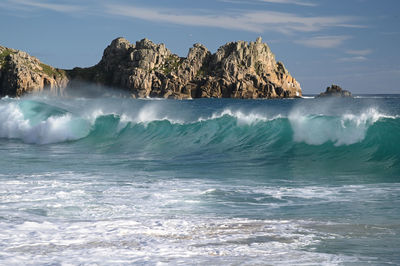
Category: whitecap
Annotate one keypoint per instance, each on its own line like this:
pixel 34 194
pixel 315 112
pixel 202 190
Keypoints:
pixel 242 118
pixel 14 125
pixel 345 129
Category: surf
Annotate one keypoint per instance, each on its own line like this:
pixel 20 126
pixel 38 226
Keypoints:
pixel 175 128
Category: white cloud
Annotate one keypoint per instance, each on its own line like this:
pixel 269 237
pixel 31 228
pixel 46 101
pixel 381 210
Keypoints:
pixel 254 21
pixel 175 17
pixel 356 55
pixel 24 4
pixel 324 41
pixel 245 20
pixel 353 59
pixel 292 2
pixel 295 2
pixel 359 52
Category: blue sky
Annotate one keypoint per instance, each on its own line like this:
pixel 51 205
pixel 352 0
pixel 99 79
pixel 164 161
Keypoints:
pixel 353 43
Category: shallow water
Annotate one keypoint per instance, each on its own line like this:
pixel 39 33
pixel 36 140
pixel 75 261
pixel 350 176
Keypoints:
pixel 112 180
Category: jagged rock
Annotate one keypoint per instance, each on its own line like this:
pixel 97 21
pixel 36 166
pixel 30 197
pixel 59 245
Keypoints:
pixel 145 69
pixel 335 91
pixel 237 70
pixel 21 73
pixel 245 70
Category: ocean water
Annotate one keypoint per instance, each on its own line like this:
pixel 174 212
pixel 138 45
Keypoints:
pixel 111 180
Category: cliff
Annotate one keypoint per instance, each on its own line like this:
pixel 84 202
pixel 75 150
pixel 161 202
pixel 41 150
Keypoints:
pixel 21 73
pixel 236 70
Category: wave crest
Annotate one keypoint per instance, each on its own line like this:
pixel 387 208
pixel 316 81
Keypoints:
pixel 242 118
pixel 53 129
pixel 41 123
pixel 346 129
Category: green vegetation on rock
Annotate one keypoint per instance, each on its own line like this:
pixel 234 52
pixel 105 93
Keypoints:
pixel 52 72
pixel 3 55
pixel 172 64
pixel 238 70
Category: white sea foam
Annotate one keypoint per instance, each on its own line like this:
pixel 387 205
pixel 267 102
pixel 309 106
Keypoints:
pixel 369 116
pixel 72 218
pixel 14 125
pixel 171 241
pixel 342 129
pixel 243 118
pixel 93 115
pixel 345 129
pixel 148 113
pixel 153 112
pixel 292 196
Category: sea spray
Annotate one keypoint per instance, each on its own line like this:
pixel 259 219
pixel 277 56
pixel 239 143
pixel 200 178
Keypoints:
pixel 345 129
pixel 36 125
pixel 43 122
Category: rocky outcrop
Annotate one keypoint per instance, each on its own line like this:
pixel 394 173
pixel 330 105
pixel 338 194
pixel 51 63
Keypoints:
pixel 247 70
pixel 21 73
pixel 145 69
pixel 335 91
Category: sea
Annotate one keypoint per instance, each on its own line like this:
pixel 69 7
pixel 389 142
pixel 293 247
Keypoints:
pixel 111 180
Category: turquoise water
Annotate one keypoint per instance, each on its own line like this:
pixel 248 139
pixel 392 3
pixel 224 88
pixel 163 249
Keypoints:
pixel 122 181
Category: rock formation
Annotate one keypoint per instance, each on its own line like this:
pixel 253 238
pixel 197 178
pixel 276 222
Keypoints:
pixel 236 70
pixel 21 73
pixel 335 91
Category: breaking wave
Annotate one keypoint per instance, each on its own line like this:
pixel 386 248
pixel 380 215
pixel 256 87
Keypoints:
pixel 368 134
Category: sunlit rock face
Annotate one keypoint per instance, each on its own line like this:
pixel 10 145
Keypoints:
pixel 145 69
pixel 21 73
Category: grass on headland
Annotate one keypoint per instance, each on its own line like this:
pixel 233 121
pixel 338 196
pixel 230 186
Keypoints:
pixel 172 64
pixel 48 70
pixel 3 55
pixel 52 72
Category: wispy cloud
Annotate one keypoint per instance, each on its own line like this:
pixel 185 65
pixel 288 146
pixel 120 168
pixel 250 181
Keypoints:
pixel 295 2
pixel 355 56
pixel 359 52
pixel 177 17
pixel 292 2
pixel 324 41
pixel 26 4
pixel 244 20
pixel 253 21
pixel 353 59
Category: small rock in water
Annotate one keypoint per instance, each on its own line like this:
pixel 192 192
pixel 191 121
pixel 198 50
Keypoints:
pixel 335 91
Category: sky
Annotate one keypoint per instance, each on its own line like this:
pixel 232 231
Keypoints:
pixel 352 43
